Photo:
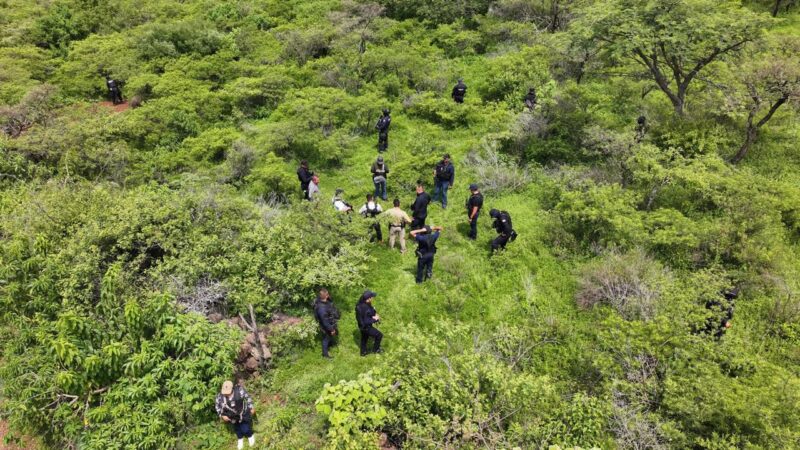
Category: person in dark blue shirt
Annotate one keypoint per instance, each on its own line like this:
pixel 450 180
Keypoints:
pixel 327 317
pixel 474 205
pixel 367 317
pixel 426 249
pixel 459 91
pixel 383 130
pixel 444 175
pixel 419 209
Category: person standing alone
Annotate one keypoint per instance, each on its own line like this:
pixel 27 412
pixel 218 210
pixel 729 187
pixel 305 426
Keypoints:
pixel 383 130
pixel 443 177
pixel 234 406
pixel 474 205
pixel 367 317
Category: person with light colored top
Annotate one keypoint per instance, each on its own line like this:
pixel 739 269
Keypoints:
pixel 398 219
pixel 370 210
pixel 313 189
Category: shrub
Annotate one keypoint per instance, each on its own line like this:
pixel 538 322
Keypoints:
pixel 496 172
pixel 631 283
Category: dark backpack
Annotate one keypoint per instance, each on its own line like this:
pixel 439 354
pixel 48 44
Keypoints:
pixel 441 172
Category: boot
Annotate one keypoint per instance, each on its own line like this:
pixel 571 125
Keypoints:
pixel 251 441
pixel 240 444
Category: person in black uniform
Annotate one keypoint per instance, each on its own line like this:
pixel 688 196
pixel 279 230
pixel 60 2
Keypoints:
pixel 114 90
pixel 383 130
pixel 641 128
pixel 505 230
pixel 367 317
pixel 530 99
pixel 327 316
pixel 304 175
pixel 444 175
pixel 419 209
pixel 721 313
pixel 459 91
pixel 474 205
pixel 426 249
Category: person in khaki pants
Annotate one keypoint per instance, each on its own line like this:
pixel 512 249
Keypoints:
pixel 397 225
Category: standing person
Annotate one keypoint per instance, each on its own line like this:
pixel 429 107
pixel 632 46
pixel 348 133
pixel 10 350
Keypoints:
pixel 505 230
pixel 328 317
pixel 234 406
pixel 397 225
pixel 367 317
pixel 530 99
pixel 379 172
pixel 313 189
pixel 459 91
pixel 304 175
pixel 370 210
pixel 419 209
pixel 641 128
pixel 426 249
pixel 383 130
pixel 474 205
pixel 443 177
pixel 114 90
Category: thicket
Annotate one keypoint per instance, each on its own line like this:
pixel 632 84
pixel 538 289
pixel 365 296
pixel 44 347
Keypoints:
pixel 122 230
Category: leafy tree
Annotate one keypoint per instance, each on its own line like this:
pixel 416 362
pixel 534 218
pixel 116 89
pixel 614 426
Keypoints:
pixel 770 81
pixel 674 40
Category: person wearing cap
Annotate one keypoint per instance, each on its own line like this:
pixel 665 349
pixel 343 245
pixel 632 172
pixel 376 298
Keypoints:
pixel 419 209
pixel 371 210
pixel 505 230
pixel 474 205
pixel 379 172
pixel 313 189
pixel 459 91
pixel 444 174
pixel 304 175
pixel 327 317
pixel 398 219
pixel 426 249
pixel 383 131
pixel 234 406
pixel 338 202
pixel 367 317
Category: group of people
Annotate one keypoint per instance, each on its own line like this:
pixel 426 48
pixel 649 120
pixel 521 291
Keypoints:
pixel 328 316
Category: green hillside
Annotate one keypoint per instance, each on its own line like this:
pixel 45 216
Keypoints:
pixel 132 236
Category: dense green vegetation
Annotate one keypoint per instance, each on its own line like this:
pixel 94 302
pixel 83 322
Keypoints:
pixel 122 227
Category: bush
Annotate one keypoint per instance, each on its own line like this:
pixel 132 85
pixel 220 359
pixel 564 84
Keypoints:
pixel 496 172
pixel 631 283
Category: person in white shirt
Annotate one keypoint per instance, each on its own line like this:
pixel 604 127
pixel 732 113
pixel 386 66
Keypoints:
pixel 313 189
pixel 370 210
pixel 339 203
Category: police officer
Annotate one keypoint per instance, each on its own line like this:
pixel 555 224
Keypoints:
pixel 419 209
pixel 426 249
pixel 459 91
pixel 474 205
pixel 505 230
pixel 379 171
pixel 370 210
pixel 444 175
pixel 641 128
pixel 304 175
pixel 383 130
pixel 327 316
pixel 366 318
pixel 114 91
pixel 530 99
pixel 721 313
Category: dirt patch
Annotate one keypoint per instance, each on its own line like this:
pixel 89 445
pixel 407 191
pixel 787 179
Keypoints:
pixel 24 443
pixel 116 108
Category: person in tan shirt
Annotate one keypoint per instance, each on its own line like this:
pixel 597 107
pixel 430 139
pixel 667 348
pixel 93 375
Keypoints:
pixel 397 225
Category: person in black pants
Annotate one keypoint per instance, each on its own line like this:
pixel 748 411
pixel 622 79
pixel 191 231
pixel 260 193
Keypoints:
pixel 304 176
pixel 327 316
pixel 419 209
pixel 474 204
pixel 505 230
pixel 367 317
pixel 114 90
pixel 459 91
pixel 383 131
pixel 426 249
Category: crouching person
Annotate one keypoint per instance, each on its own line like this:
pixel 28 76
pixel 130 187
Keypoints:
pixel 234 406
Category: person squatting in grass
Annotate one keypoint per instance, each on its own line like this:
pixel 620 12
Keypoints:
pixel 370 211
pixel 505 230
pixel 367 317
pixel 426 249
pixel 327 317
pixel 234 406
